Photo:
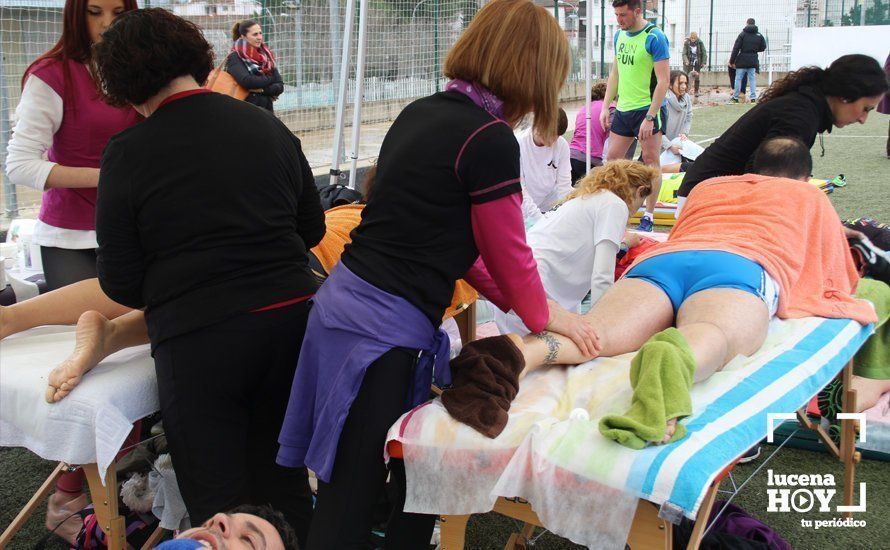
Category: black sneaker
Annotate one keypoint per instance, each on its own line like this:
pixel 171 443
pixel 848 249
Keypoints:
pixel 871 260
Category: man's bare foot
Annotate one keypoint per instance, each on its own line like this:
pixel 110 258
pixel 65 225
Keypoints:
pixel 669 430
pixel 89 349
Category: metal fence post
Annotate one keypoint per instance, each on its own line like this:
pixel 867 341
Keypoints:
pixel 298 48
pixel 843 5
pixel 334 24
pixel 437 70
pixel 264 19
pixel 602 36
pixel 341 94
pixel 9 191
pixel 711 37
pixel 663 14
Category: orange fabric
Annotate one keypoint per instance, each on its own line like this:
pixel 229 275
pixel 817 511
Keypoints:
pixel 789 227
pixel 339 223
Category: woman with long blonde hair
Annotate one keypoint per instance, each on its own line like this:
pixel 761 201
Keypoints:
pixel 446 205
pixel 576 244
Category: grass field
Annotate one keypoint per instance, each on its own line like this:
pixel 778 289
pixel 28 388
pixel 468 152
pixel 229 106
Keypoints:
pixel 859 153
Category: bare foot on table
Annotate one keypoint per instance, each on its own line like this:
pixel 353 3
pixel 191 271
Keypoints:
pixel 88 351
pixel 669 430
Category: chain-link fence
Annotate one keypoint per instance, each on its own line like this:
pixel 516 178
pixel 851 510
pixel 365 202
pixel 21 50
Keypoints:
pixel 407 41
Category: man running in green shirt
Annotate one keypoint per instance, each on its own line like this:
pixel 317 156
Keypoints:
pixel 640 76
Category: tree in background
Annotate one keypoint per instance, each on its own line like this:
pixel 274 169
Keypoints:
pixel 876 14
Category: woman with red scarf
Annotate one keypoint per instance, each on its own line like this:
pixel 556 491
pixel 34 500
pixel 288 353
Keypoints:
pixel 252 64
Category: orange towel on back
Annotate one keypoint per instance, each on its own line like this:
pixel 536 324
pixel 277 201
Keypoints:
pixel 789 227
pixel 339 223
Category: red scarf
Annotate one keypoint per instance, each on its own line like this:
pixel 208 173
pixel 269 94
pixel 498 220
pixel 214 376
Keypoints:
pixel 258 60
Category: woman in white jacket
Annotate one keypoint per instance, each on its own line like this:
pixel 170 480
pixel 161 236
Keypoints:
pixel 575 245
pixel 679 120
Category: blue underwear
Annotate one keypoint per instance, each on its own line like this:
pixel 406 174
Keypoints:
pixel 682 274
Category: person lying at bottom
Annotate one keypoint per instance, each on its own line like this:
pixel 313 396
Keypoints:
pixel 707 295
pixel 249 527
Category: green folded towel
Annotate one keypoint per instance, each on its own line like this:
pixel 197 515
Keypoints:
pixel 661 375
pixel 873 359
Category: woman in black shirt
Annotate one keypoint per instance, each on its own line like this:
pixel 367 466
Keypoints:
pixel 805 103
pixel 446 205
pixel 205 212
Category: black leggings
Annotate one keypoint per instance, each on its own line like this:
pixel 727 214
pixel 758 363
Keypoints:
pixel 345 507
pixel 64 266
pixel 579 167
pixel 224 390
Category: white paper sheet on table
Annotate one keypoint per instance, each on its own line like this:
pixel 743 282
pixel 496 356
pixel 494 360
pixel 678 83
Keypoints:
pixel 582 485
pixel 688 149
pixel 88 426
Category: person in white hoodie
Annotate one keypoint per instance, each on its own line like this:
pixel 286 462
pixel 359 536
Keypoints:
pixel 545 168
pixel 678 104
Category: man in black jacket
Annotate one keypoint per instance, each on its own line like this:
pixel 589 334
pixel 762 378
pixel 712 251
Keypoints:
pixel 745 61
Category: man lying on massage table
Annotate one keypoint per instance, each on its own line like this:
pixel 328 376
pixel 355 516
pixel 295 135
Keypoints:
pixel 745 248
pixel 248 527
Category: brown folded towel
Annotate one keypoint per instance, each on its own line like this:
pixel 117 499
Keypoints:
pixel 485 380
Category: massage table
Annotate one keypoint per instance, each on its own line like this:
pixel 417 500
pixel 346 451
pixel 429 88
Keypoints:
pixel 665 213
pixel 551 467
pixel 85 429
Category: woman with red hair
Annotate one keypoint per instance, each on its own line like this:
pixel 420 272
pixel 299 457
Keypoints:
pixel 62 126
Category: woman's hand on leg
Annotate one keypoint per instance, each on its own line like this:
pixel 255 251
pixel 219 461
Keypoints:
pixel 575 328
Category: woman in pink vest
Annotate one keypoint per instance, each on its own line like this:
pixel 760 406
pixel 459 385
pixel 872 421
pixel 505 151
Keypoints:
pixel 62 127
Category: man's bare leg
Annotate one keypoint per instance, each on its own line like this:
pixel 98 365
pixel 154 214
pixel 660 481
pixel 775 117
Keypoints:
pixel 652 157
pixel 96 339
pixel 720 324
pixel 618 146
pixel 625 317
pixel 869 391
pixel 59 307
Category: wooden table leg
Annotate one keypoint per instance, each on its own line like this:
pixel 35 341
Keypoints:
pixel 152 541
pixel 848 453
pixel 104 499
pixel 520 540
pixel 647 529
pixel 704 516
pixel 466 324
pixel 471 322
pixel 453 531
pixel 32 505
